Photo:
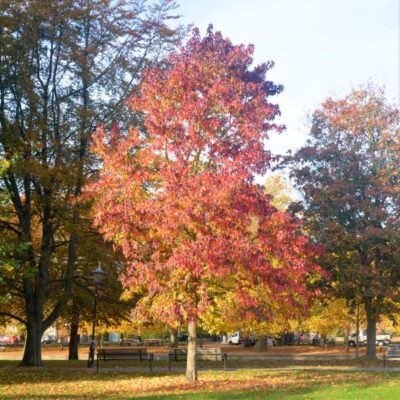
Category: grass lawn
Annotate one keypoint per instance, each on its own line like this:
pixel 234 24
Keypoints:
pixel 57 382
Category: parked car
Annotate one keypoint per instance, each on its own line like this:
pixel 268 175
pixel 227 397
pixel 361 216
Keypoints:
pixel 381 340
pixel 235 338
pixel 8 340
pixel 4 340
pixel 135 340
pixel 47 339
pixel 183 337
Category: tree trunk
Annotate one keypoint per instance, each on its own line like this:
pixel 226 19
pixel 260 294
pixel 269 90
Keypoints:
pixel 224 338
pixel 34 329
pixel 73 342
pixel 191 366
pixel 174 338
pixel 262 344
pixel 73 334
pixel 358 331
pixel 371 331
pixel 346 331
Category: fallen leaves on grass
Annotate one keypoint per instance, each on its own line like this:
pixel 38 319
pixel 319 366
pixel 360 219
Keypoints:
pixel 79 384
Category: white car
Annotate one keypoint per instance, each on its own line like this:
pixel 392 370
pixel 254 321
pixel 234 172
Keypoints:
pixel 235 338
pixel 48 339
pixel 381 340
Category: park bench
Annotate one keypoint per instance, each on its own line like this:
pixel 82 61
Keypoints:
pixel 176 355
pixel 392 351
pixel 125 354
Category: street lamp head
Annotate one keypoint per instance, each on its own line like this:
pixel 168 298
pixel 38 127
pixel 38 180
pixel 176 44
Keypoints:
pixel 98 275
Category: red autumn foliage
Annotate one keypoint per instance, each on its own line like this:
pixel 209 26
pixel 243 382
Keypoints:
pixel 178 195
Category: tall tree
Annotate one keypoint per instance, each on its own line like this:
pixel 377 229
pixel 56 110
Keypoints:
pixel 65 66
pixel 349 176
pixel 178 196
pixel 111 309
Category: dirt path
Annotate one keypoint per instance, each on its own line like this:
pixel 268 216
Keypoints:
pixel 291 352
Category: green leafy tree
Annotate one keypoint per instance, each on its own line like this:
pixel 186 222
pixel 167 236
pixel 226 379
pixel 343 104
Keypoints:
pixel 65 66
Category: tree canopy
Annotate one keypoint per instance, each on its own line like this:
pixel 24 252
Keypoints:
pixel 178 196
pixel 65 66
pixel 348 174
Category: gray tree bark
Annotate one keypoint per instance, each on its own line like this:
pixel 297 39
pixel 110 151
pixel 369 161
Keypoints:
pixel 174 338
pixel 73 346
pixel 262 343
pixel 191 366
pixel 371 331
pixel 346 331
pixel 32 356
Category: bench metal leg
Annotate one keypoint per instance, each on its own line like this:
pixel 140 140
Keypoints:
pixel 150 357
pixel 97 364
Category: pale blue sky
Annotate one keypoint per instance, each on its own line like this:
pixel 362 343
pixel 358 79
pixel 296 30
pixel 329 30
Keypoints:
pixel 320 47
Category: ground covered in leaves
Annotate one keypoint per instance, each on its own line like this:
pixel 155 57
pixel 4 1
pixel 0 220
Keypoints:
pixel 57 382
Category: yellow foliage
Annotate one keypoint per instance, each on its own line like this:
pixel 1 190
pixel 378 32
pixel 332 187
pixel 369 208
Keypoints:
pixel 281 192
pixel 328 318
pixel 3 166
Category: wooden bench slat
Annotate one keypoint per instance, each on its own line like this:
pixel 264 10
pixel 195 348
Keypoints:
pixel 124 352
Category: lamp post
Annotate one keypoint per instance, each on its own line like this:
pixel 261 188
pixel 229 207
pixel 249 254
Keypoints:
pixel 98 276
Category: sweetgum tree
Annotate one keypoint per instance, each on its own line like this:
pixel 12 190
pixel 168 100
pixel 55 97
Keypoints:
pixel 178 196
pixel 348 174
